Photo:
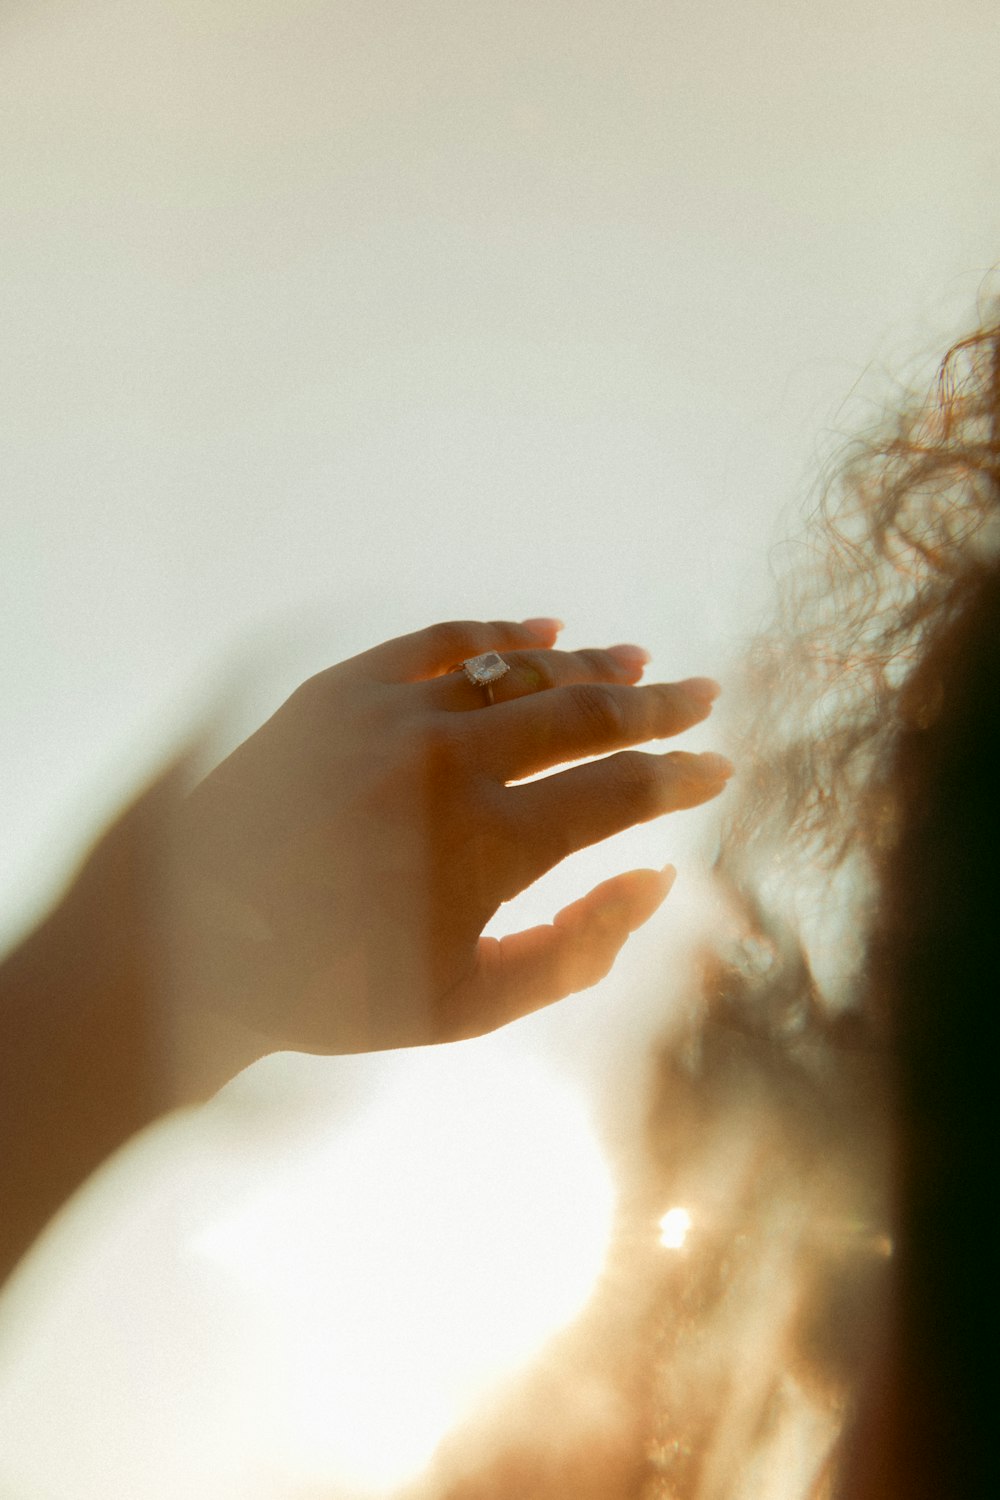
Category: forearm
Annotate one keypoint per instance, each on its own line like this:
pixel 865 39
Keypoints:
pixel 80 1037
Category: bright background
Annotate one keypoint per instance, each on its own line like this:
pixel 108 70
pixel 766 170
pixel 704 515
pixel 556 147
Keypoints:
pixel 322 321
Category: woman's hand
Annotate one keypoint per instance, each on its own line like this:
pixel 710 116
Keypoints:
pixel 344 861
pixel 327 889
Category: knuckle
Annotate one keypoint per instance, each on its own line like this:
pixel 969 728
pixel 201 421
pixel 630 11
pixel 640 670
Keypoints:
pixel 451 638
pixel 442 746
pixel 598 662
pixel 535 668
pixel 594 961
pixel 501 635
pixel 638 782
pixel 671 708
pixel 601 710
pixel 510 631
pixel 314 696
pixel 601 966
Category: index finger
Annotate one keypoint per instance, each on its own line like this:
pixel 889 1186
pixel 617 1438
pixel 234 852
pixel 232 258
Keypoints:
pixel 527 735
pixel 441 648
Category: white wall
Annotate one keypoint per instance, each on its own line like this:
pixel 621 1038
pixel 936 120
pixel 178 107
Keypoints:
pixel 322 321
pixel 398 311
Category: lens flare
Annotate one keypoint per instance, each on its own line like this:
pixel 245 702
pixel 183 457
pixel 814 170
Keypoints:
pixel 674 1227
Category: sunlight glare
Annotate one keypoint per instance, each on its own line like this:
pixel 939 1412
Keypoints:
pixel 406 1267
pixel 674 1228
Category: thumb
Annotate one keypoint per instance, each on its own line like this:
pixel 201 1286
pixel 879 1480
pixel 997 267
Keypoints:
pixel 525 971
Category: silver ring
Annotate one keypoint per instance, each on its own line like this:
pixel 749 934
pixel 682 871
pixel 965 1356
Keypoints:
pixel 485 670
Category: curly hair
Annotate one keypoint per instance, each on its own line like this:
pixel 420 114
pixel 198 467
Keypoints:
pixel 731 1364
pixel 908 527
pixel 815 1113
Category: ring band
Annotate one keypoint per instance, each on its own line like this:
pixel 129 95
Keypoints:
pixel 485 670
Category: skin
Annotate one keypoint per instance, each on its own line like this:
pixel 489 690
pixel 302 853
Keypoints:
pixel 325 889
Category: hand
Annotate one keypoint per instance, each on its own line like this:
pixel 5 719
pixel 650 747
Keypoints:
pixel 345 859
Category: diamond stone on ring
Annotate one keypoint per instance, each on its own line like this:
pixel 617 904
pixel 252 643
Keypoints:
pixel 485 670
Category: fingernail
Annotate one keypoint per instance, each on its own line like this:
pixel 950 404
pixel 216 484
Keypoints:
pixel 544 624
pixel 714 765
pixel 630 656
pixel 704 689
pixel 668 875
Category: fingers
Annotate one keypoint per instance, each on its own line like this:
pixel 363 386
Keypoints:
pixel 560 814
pixel 440 648
pixel 516 739
pixel 537 671
pixel 521 973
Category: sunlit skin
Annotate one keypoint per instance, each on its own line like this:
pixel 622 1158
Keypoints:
pixel 326 888
pixel 370 825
